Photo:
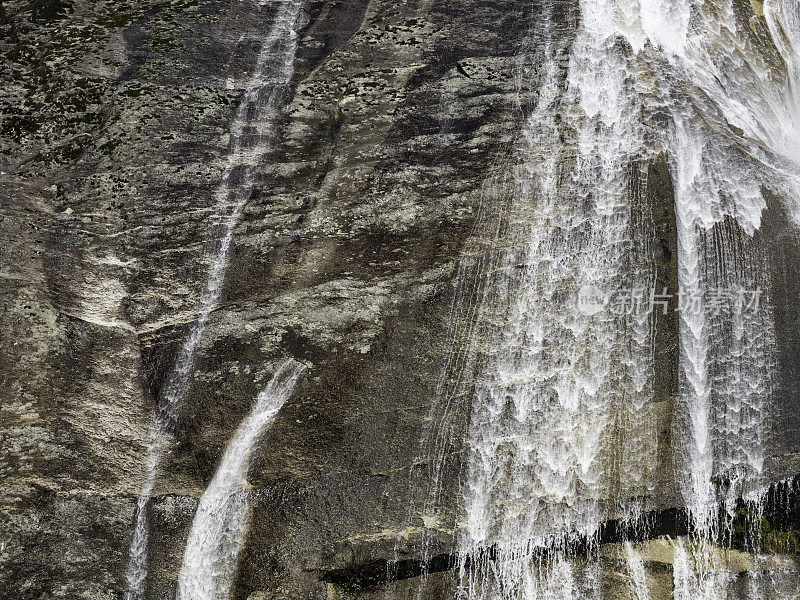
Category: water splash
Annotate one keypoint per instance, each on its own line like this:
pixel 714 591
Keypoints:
pixel 220 523
pixel 251 136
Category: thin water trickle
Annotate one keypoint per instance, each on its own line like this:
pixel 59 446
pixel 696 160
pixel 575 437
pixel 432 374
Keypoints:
pixel 251 137
pixel 219 526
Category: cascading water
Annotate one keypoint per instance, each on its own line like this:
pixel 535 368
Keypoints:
pixel 560 383
pixel 559 390
pixel 636 574
pixel 219 526
pixel 251 134
pixel 732 136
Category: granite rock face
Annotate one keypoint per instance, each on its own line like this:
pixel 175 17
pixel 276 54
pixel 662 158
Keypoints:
pixel 115 127
pixel 114 136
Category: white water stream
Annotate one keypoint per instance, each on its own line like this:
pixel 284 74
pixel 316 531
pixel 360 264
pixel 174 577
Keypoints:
pixel 251 136
pixel 637 579
pixel 220 523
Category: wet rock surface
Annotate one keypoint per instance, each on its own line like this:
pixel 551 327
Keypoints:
pixel 115 127
pixel 113 139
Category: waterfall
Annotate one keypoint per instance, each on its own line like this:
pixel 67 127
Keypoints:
pixel 637 581
pixel 559 382
pixel 251 135
pixel 219 526
pixel 558 389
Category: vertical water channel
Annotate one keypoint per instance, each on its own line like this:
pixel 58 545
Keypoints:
pixel 251 134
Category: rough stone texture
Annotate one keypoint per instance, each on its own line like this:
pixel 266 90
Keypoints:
pixel 115 120
pixel 114 136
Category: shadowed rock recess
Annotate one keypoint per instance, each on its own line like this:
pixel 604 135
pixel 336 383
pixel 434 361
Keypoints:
pixel 365 249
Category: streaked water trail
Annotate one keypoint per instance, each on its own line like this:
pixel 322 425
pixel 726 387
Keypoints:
pixel 783 21
pixel 251 135
pixel 220 523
